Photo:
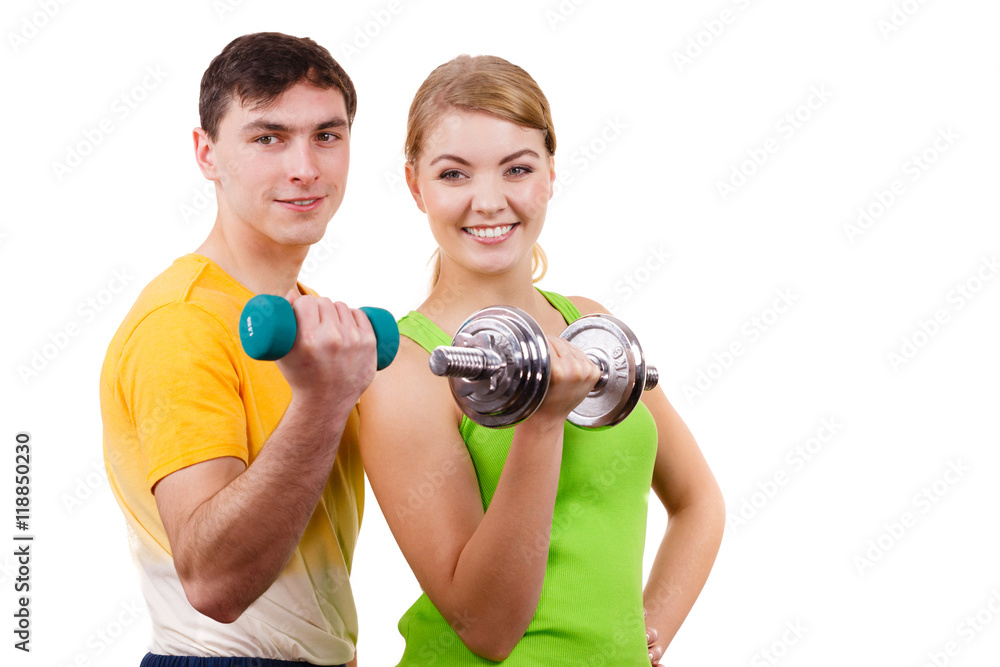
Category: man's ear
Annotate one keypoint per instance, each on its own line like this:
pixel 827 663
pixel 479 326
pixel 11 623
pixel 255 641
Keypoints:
pixel 204 154
pixel 411 183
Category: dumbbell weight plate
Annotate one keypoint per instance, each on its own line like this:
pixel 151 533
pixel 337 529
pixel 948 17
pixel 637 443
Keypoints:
pixel 511 394
pixel 607 338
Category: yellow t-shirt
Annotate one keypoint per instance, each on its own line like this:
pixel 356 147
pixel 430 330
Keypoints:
pixel 177 389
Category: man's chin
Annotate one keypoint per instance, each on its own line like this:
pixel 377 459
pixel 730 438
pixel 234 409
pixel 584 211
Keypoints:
pixel 307 231
pixel 304 242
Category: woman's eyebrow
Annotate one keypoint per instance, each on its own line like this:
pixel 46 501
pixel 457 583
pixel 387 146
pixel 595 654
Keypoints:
pixel 514 156
pixel 453 158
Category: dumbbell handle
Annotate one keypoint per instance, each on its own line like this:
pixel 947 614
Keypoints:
pixel 476 363
pixel 652 378
pixel 268 329
pixel 471 363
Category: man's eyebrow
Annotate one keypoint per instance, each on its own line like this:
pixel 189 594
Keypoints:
pixel 504 160
pixel 331 124
pixel 262 125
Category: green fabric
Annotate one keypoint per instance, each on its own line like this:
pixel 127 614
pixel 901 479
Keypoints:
pixel 590 610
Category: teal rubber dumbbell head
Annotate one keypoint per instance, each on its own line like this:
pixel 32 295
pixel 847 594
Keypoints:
pixel 386 335
pixel 267 329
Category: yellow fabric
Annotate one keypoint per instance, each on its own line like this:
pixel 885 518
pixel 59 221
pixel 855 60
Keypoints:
pixel 177 389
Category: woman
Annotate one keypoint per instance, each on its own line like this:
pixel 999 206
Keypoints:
pixel 527 541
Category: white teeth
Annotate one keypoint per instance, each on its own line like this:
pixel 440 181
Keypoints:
pixel 303 202
pixel 489 232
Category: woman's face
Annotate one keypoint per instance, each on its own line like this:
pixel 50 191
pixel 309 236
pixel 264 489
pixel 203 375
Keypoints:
pixel 484 184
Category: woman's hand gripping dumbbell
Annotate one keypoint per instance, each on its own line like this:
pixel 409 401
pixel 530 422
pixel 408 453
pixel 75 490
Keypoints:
pixel 498 364
pixel 269 327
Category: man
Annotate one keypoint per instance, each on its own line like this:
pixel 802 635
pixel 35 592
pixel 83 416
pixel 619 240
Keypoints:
pixel 240 480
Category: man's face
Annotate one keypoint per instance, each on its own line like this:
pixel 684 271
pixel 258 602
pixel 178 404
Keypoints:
pixel 281 170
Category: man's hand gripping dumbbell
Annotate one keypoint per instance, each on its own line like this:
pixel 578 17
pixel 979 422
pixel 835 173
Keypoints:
pixel 499 367
pixel 271 327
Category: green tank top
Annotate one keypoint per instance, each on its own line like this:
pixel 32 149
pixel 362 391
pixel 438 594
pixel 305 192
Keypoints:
pixel 590 610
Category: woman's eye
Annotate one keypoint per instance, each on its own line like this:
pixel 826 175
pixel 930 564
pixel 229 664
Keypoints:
pixel 519 171
pixel 450 175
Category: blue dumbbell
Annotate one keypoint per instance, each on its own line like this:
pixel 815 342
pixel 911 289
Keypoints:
pixel 267 329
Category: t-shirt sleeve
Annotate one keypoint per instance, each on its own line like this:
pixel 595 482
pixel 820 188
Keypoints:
pixel 178 378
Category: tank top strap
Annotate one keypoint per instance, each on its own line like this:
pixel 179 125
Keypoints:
pixel 565 307
pixel 421 330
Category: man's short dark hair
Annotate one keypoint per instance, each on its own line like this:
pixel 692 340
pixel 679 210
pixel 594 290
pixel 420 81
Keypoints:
pixel 255 69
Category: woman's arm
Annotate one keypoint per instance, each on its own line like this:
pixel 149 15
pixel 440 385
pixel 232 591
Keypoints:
pixel 482 570
pixel 696 518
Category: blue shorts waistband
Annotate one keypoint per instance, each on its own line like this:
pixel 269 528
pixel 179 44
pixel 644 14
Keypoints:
pixel 154 660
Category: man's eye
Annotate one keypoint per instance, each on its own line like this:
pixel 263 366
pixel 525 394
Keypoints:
pixel 326 136
pixel 266 140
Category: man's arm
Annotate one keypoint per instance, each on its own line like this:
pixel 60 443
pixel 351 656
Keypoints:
pixel 232 529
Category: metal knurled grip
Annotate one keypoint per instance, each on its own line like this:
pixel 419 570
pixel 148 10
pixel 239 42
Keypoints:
pixel 498 366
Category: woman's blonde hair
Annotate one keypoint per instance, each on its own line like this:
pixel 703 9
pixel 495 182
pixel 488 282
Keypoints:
pixel 480 83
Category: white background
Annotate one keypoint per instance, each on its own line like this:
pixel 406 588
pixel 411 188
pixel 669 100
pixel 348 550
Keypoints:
pixel 645 140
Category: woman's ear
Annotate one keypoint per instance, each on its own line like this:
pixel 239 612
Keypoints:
pixel 411 183
pixel 552 175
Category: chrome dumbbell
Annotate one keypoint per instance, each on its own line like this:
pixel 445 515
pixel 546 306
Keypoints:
pixel 498 365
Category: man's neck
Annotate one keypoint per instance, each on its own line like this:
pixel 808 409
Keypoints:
pixel 261 268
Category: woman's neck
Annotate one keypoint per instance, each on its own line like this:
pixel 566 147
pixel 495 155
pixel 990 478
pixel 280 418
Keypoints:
pixel 459 292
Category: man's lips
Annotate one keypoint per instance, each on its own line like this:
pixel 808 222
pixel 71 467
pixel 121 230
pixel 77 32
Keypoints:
pixel 301 203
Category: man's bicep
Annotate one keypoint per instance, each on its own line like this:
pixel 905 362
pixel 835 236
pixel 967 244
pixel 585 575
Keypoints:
pixel 181 493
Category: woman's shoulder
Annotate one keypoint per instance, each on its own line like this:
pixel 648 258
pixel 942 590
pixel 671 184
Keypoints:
pixel 588 306
pixel 408 389
pixel 406 366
